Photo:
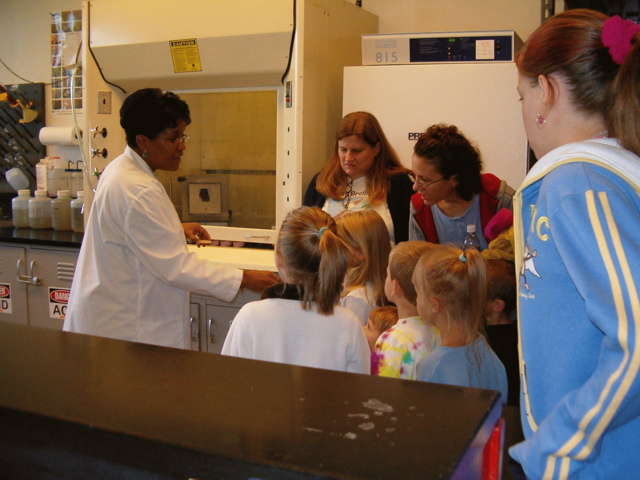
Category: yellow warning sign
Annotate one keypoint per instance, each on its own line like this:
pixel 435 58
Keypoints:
pixel 185 55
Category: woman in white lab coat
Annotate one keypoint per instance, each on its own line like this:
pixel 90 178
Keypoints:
pixel 134 273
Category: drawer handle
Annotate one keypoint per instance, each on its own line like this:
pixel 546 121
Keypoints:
pixel 31 278
pixel 195 330
pixel 212 336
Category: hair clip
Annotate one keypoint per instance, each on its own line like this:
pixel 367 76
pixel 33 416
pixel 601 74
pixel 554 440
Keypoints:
pixel 617 36
pixel 321 231
pixel 463 258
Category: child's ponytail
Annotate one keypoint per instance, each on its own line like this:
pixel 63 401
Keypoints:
pixel 477 280
pixel 315 258
pixel 334 260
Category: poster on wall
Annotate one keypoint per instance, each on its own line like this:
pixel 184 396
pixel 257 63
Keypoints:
pixel 66 71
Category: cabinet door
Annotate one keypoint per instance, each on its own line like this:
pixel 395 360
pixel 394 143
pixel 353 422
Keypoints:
pixel 48 300
pixel 218 322
pixel 13 294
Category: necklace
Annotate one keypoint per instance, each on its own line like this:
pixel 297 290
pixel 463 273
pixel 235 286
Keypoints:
pixel 602 134
pixel 347 194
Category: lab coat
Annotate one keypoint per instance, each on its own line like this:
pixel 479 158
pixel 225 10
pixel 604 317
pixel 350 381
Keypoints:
pixel 134 273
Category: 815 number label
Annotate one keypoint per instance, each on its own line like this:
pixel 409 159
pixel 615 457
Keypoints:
pixel 386 57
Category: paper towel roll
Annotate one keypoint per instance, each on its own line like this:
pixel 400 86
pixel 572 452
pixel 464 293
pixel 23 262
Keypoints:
pixel 58 136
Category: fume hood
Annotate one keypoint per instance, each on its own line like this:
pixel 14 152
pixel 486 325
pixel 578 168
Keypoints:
pixel 294 51
pixel 195 44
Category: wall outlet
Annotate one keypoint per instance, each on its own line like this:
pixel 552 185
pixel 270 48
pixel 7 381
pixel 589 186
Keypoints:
pixel 104 101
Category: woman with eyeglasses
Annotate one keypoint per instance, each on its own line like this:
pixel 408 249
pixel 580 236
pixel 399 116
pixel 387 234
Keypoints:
pixel 364 171
pixel 134 273
pixel 451 191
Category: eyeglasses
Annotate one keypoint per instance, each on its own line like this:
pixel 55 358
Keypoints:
pixel 177 139
pixel 421 183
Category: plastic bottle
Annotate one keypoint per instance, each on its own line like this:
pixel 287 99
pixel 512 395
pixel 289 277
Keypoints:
pixel 77 212
pixel 471 240
pixel 61 211
pixel 40 210
pixel 42 173
pixel 20 209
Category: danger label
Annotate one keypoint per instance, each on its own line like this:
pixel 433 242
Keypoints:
pixel 58 300
pixel 5 298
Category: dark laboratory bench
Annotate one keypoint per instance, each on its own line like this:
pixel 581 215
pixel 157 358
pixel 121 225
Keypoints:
pixel 47 237
pixel 77 406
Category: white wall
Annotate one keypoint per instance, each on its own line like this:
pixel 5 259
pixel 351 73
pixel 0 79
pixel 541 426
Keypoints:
pixel 411 16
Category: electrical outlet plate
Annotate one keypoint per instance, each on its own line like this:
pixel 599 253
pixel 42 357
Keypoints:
pixel 104 101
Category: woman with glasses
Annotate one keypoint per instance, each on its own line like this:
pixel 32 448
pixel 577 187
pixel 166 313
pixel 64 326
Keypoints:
pixel 364 172
pixel 134 273
pixel 451 191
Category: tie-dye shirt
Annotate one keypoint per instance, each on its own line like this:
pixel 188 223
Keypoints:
pixel 398 350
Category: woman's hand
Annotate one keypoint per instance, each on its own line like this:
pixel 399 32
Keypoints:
pixel 258 280
pixel 196 233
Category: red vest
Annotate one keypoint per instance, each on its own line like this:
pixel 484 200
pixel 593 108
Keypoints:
pixel 488 204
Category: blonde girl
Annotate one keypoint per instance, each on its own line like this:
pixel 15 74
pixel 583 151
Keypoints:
pixel 451 288
pixel 299 322
pixel 367 236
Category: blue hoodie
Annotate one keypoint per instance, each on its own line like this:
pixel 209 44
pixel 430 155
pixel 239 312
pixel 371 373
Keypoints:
pixel 577 229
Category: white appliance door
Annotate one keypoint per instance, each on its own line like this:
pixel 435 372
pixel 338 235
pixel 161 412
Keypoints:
pixel 479 98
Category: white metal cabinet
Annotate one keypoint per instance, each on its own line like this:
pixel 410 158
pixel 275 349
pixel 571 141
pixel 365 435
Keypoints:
pixel 211 319
pixel 37 280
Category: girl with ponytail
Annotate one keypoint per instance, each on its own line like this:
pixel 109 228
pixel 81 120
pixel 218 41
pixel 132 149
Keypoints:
pixel 451 289
pixel 299 322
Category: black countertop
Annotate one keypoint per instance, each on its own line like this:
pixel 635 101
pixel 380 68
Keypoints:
pixel 48 237
pixel 76 405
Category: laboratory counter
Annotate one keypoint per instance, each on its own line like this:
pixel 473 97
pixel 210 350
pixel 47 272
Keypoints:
pixel 245 258
pixel 45 237
pixel 77 406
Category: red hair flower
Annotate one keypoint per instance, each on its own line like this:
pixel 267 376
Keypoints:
pixel 617 35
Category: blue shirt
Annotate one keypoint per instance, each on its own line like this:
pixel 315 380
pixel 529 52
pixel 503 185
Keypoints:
pixel 454 229
pixel 473 365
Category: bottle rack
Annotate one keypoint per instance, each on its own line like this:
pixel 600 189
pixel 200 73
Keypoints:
pixel 19 143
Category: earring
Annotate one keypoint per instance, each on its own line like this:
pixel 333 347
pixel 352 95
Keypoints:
pixel 144 154
pixel 540 120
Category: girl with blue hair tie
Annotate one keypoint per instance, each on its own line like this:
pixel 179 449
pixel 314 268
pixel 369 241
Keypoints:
pixel 299 322
pixel 451 288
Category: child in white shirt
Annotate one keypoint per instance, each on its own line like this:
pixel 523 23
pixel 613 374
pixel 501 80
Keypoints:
pixel 299 322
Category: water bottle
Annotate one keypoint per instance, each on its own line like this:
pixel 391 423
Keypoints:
pixel 20 209
pixel 77 213
pixel 61 211
pixel 40 210
pixel 471 240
